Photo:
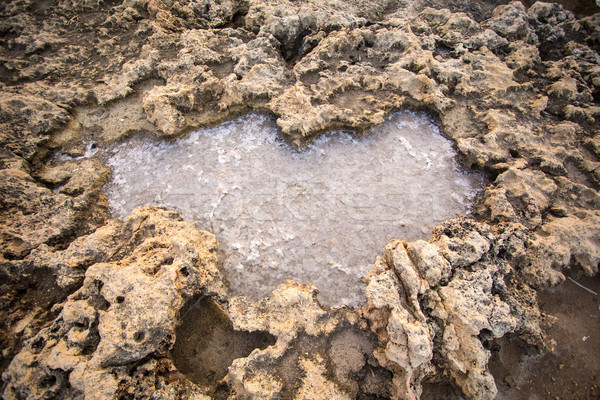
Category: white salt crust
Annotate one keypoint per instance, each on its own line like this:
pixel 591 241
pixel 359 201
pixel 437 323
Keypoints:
pixel 320 215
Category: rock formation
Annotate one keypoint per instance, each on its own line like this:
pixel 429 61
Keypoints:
pixel 91 305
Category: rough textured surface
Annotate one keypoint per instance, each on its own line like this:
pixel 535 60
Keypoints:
pixel 517 90
pixel 154 258
pixel 318 354
pixel 450 295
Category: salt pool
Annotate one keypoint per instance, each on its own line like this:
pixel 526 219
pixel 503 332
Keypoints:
pixel 318 215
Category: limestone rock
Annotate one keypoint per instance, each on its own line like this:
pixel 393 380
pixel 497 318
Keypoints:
pixel 470 306
pixel 405 341
pixel 431 265
pixel 513 22
pixel 526 191
pixel 462 247
pixel 26 122
pixel 33 215
pixel 515 89
pixel 106 323
pixel 318 353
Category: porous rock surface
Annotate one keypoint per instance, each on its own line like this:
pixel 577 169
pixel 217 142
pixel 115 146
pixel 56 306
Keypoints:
pixel 90 305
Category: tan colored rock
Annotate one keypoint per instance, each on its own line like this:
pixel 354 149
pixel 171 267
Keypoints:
pixel 316 385
pixel 318 353
pixel 431 265
pixel 515 89
pixel 26 122
pixel 565 88
pixel 576 235
pixel 33 215
pixel 464 249
pixel 164 115
pixel 132 73
pixel 405 341
pixel 512 22
pixel 529 192
pixel 107 322
pixel 471 308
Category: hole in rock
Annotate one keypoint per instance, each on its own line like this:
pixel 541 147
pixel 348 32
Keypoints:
pixel 48 381
pixel 207 344
pixel 441 389
pixel 320 215
pixel 139 336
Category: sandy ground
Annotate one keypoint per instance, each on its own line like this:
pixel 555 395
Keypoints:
pixel 572 371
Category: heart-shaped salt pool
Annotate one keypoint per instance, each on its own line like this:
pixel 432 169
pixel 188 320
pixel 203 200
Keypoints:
pixel 319 215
